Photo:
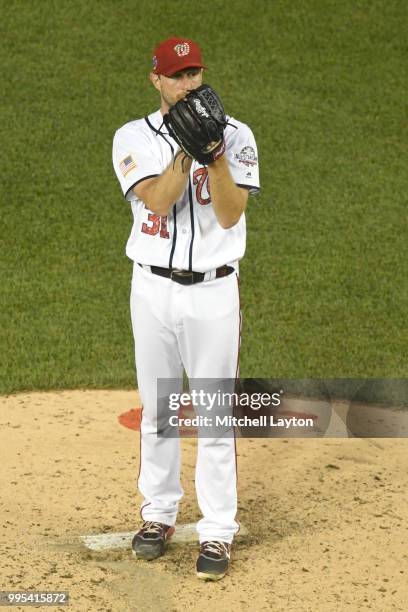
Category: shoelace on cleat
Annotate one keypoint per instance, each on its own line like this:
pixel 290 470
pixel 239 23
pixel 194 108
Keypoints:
pixel 152 527
pixel 217 548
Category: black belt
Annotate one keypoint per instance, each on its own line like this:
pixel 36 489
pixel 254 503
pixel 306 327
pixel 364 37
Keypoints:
pixel 184 277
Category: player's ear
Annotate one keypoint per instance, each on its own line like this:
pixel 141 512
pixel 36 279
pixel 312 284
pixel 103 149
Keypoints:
pixel 155 79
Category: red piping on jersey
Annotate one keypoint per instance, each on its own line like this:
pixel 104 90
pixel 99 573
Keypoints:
pixel 140 462
pixel 140 443
pixel 236 380
pixel 142 508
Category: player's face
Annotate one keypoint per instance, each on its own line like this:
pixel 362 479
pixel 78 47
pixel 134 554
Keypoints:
pixel 177 86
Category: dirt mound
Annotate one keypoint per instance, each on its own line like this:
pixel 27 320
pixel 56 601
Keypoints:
pixel 326 518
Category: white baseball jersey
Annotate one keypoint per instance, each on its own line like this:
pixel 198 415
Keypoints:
pixel 190 237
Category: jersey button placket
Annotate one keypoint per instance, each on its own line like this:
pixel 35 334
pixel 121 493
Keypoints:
pixel 184 246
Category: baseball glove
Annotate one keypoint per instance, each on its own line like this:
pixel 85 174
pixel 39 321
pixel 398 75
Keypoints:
pixel 197 124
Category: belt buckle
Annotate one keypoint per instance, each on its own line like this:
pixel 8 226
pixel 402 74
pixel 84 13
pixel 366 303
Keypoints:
pixel 184 277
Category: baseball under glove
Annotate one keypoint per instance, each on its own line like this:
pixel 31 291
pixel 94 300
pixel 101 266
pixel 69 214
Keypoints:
pixel 197 124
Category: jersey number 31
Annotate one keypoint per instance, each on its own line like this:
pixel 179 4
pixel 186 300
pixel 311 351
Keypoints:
pixel 158 226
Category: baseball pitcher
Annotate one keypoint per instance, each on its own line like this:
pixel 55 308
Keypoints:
pixel 187 170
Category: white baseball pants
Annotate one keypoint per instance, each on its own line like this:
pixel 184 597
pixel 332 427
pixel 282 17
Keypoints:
pixel 198 327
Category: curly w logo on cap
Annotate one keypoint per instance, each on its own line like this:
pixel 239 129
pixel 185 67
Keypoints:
pixel 182 49
pixel 175 54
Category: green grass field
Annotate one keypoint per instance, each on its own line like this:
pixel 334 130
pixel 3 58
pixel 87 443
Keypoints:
pixel 323 86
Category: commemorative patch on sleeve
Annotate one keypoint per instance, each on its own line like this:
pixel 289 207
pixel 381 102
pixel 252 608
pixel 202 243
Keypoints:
pixel 247 156
pixel 127 164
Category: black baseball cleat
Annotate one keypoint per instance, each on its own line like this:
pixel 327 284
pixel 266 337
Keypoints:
pixel 151 540
pixel 213 560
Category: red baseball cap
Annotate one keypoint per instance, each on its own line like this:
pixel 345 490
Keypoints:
pixel 175 54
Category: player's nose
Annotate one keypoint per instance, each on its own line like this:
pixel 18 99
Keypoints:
pixel 187 84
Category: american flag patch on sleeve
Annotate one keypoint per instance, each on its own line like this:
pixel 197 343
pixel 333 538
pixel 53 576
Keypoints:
pixel 127 164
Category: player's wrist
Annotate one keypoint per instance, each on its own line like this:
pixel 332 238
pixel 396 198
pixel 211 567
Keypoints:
pixel 182 161
pixel 218 151
pixel 219 160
